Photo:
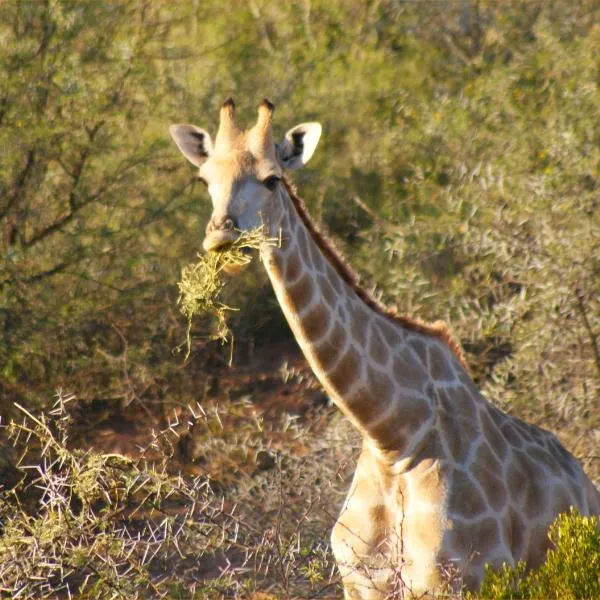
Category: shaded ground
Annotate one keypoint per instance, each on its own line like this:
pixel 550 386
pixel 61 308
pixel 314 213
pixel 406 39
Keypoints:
pixel 277 380
pixel 276 458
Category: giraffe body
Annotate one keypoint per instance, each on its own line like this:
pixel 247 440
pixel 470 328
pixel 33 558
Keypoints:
pixel 445 480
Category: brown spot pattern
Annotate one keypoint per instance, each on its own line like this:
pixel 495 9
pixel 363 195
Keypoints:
pixel 512 435
pixel 302 241
pixel 345 373
pixel 491 433
pixel 464 378
pixel 430 447
pixel 437 330
pixel 380 386
pixel 378 350
pixel 516 527
pixel 293 268
pixel 316 257
pixel 393 433
pixel 408 372
pixel 371 401
pixel 465 498
pixel 494 489
pixel 439 365
pixel 516 478
pixel 497 415
pixel 453 432
pixel 329 349
pixel 543 457
pixel 487 459
pixel 342 313
pixel 534 493
pixel 391 333
pixel 524 429
pixel 481 537
pixel 360 406
pixel 562 456
pixel 525 477
pixel 488 472
pixel 334 279
pixel 301 292
pixel 420 350
pixel 359 324
pixel 316 322
pixel 463 404
pixel 327 290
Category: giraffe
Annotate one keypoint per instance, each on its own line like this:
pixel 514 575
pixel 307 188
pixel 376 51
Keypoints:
pixel 444 480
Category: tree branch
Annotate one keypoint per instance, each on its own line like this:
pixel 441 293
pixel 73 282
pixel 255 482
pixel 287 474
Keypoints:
pixel 3 108
pixel 19 183
pixel 55 270
pixel 588 326
pixel 74 204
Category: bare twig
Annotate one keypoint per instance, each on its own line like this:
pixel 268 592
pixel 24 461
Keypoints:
pixel 593 337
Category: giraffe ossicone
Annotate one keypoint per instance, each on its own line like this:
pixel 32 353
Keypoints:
pixel 444 477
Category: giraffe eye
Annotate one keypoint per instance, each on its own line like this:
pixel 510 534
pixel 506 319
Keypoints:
pixel 271 182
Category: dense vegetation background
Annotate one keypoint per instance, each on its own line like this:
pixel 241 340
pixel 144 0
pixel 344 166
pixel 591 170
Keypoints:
pixel 459 172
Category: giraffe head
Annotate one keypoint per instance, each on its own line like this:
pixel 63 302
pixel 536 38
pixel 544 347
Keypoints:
pixel 243 169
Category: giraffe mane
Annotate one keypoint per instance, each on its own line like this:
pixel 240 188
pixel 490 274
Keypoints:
pixel 439 329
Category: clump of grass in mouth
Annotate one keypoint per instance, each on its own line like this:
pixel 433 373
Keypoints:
pixel 202 282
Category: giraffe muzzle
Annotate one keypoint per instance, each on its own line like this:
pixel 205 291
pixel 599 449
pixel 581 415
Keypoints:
pixel 220 234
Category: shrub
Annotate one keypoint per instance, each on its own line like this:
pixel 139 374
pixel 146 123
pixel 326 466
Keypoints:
pixel 571 569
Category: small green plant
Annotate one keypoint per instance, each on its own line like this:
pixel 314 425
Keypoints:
pixel 571 569
pixel 202 282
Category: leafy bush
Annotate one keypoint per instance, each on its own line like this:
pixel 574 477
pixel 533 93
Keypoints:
pixel 571 570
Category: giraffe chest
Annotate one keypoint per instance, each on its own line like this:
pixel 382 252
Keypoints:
pixel 391 527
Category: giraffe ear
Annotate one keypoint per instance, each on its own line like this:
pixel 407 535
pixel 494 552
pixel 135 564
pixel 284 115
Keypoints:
pixel 298 145
pixel 195 143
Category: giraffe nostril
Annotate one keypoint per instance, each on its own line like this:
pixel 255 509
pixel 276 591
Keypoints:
pixel 221 232
pixel 221 224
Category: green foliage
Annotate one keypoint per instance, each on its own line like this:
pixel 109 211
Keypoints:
pixel 83 112
pixel 570 571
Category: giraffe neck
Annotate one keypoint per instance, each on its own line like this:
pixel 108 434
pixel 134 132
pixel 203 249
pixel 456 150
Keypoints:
pixel 368 363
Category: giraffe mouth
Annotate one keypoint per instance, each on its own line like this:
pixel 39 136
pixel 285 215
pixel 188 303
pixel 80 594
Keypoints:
pixel 219 240
pixel 234 269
